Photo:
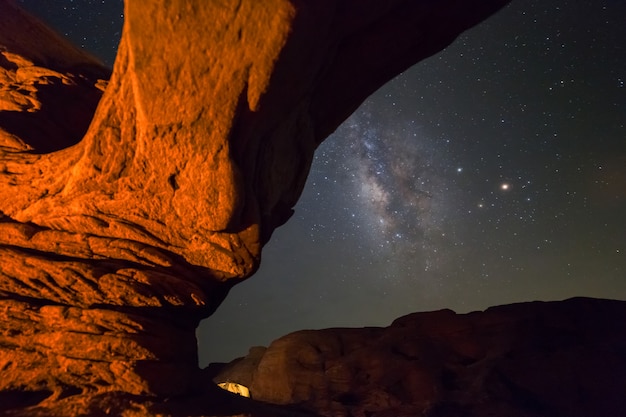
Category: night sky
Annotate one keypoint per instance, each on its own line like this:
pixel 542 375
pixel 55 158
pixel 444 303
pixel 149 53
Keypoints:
pixel 493 172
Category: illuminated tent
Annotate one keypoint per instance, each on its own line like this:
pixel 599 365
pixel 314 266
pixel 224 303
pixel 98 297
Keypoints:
pixel 235 387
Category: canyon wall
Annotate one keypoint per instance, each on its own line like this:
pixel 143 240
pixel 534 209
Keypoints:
pixel 537 359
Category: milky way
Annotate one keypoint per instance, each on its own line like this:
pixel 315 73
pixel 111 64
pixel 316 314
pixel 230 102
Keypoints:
pixel 396 185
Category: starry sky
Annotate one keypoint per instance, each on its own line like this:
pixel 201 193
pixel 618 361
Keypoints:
pixel 493 172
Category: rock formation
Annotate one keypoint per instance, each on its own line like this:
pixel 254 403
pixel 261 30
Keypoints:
pixel 523 360
pixel 123 225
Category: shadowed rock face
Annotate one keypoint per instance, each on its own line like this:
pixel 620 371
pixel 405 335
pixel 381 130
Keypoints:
pixel 522 360
pixel 118 232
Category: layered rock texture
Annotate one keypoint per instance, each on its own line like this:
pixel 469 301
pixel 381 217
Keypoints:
pixel 523 360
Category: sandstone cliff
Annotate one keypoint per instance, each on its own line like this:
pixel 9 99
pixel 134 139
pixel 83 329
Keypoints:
pixel 523 360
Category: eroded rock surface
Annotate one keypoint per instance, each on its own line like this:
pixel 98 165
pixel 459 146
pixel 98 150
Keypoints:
pixel 123 225
pixel 523 360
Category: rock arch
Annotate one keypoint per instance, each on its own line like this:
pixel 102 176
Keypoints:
pixel 114 245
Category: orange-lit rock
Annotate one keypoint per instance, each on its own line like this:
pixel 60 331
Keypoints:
pixel 123 225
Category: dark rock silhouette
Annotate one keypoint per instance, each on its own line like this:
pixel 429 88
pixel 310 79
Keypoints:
pixel 536 359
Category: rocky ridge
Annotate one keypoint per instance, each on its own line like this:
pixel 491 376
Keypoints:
pixel 540 359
